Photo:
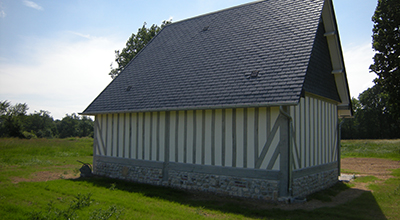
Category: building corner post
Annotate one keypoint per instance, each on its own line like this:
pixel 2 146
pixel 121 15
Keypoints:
pixel 95 143
pixel 286 153
pixel 339 144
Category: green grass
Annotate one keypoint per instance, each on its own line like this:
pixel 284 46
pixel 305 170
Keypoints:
pixel 44 152
pixel 387 149
pixel 57 199
pixel 139 201
pixel 387 195
pixel 349 171
pixel 366 179
pixel 327 194
pixel 21 157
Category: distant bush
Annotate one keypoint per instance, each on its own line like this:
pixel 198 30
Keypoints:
pixel 28 135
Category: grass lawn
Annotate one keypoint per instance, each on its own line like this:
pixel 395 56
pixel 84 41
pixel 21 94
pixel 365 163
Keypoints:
pixel 387 149
pixel 24 195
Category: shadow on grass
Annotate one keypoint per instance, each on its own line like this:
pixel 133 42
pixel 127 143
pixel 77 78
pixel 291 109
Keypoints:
pixel 362 206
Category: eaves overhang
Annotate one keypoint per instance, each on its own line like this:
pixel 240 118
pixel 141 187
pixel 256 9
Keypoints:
pixel 335 49
pixel 188 108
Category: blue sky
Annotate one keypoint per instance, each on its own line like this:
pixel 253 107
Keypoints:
pixel 56 55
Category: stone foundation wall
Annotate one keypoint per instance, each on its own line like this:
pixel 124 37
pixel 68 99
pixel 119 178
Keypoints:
pixel 218 184
pixel 265 189
pixel 138 174
pixel 225 185
pixel 309 184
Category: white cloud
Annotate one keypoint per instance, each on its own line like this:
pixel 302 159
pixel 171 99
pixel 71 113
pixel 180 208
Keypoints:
pixel 357 59
pixel 169 19
pixel 32 4
pixel 64 75
pixel 2 12
pixel 87 36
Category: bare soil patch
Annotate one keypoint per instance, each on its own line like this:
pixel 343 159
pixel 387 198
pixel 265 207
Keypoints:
pixel 380 168
pixel 44 176
pixel 64 172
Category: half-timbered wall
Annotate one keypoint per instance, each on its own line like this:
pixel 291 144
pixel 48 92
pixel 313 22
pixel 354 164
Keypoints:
pixel 314 132
pixel 244 145
pixel 243 137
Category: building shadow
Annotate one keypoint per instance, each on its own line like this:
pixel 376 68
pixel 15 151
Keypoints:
pixel 359 204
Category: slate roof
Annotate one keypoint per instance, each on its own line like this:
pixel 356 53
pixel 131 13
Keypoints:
pixel 207 61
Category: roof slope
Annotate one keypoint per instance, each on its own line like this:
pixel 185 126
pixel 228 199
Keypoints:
pixel 206 61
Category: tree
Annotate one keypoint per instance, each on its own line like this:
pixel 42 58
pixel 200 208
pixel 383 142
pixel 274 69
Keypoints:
pixel 350 127
pixel 12 118
pixel 386 43
pixel 4 105
pixel 41 124
pixel 68 127
pixel 75 126
pixel 372 119
pixel 133 46
pixel 85 127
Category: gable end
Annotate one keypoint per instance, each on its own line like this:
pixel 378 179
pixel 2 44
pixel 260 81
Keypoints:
pixel 319 79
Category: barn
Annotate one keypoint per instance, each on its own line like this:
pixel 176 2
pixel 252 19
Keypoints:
pixel 240 102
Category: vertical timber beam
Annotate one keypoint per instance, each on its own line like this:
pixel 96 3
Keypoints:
pixel 284 153
pixel 234 137
pixel 339 137
pixel 166 151
pixel 95 141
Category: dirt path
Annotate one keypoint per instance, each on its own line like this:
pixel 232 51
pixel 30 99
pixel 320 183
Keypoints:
pixel 380 168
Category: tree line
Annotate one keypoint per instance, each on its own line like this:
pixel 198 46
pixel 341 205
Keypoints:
pixel 15 122
pixel 373 118
pixel 377 109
